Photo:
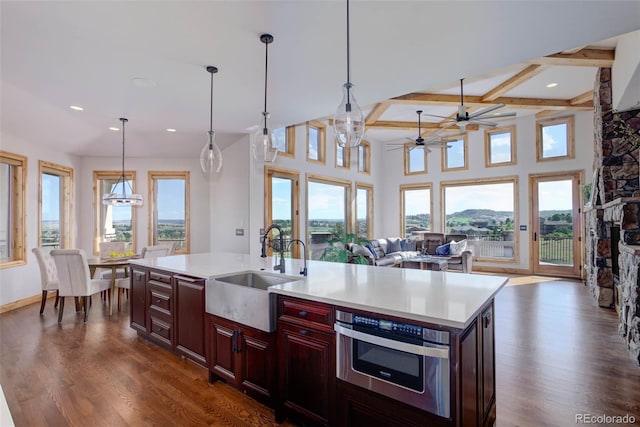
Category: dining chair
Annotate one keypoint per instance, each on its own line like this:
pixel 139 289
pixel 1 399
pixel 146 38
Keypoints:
pixel 155 251
pixel 74 279
pixel 106 248
pixel 48 274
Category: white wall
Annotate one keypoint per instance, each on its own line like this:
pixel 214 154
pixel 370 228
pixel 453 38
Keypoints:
pixel 24 281
pixel 388 202
pixel 625 72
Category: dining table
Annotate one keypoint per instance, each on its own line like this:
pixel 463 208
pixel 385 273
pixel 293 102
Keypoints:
pixel 112 263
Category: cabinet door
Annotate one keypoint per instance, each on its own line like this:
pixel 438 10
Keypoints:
pixel 469 377
pixel 190 321
pixel 137 302
pixel 488 360
pixel 258 362
pixel 223 341
pixel 307 371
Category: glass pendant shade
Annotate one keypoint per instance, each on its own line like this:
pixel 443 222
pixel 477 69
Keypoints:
pixel 348 122
pixel 114 198
pixel 266 142
pixel 211 156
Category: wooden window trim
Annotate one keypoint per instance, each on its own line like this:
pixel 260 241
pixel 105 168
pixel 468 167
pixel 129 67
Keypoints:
pixel 540 124
pixel 322 145
pixel 445 150
pixel 331 181
pixel 66 230
pixel 346 154
pixel 290 136
pixel 152 177
pixel 402 189
pixel 407 159
pixel 366 146
pixel 370 211
pixel 294 176
pixel 19 211
pixel 97 206
pixel 487 145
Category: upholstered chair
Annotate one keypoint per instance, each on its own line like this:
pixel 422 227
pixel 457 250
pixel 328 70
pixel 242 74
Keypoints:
pixel 106 248
pixel 48 274
pixel 155 251
pixel 74 278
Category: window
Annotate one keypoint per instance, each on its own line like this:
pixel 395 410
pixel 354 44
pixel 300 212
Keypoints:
pixel 486 211
pixel 343 157
pixel 364 210
pixel 415 159
pixel 281 190
pixel 364 157
pixel 327 212
pixel 500 146
pixel 169 209
pixel 316 135
pixel 56 193
pixel 286 141
pixel 113 222
pixel 554 139
pixel 415 202
pixel 13 182
pixel 454 154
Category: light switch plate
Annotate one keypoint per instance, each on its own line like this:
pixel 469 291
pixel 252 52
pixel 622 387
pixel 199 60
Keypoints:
pixel 239 231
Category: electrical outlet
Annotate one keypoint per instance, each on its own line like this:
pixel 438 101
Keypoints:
pixel 239 231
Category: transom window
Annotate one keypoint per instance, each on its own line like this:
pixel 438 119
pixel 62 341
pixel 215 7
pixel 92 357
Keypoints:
pixel 113 222
pixel 415 159
pixel 454 154
pixel 13 181
pixel 343 157
pixel 416 206
pixel 554 139
pixel 499 146
pixel 286 141
pixel 316 135
pixel 169 209
pixel 364 157
pixel 56 193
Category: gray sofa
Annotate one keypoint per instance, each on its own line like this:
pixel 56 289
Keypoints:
pixel 457 262
pixel 389 252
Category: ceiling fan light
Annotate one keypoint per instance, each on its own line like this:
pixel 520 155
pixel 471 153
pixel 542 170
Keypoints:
pixel 348 121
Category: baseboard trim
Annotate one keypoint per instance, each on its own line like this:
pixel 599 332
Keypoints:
pixel 24 302
pixel 501 270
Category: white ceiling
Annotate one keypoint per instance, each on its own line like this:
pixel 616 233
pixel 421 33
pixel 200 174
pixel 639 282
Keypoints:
pixel 58 53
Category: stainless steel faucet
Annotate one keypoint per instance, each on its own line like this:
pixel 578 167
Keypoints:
pixel 303 271
pixel 280 266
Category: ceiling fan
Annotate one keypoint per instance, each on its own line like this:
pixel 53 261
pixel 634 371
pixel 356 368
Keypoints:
pixel 420 142
pixel 479 117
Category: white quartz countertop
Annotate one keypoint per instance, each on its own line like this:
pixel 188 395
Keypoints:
pixel 444 298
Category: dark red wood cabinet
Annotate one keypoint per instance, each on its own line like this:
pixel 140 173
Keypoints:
pixel 137 295
pixel 190 317
pixel 242 356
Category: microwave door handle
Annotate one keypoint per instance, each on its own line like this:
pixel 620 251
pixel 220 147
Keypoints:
pixel 441 352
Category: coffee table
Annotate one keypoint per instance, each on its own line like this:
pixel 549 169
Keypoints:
pixel 425 262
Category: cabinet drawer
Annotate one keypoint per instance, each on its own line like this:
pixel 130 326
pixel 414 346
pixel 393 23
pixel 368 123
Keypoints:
pixel 160 299
pixel 160 330
pixel 161 277
pixel 306 312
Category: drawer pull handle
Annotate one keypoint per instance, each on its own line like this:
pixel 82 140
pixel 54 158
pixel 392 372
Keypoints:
pixel 158 301
pixel 303 332
pixel 303 313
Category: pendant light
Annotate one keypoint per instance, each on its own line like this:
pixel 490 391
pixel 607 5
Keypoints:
pixel 122 199
pixel 265 144
pixel 348 122
pixel 210 156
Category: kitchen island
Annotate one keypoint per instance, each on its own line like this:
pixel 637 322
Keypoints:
pixel 296 368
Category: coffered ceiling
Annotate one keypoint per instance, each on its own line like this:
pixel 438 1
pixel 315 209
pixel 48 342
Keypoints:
pixel 145 60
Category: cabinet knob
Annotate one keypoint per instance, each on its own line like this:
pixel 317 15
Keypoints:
pixel 303 313
pixel 158 301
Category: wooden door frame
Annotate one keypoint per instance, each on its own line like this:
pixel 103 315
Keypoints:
pixel 269 173
pixel 577 176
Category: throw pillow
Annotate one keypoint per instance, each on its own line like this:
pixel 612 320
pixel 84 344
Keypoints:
pixel 403 244
pixel 443 249
pixel 456 248
pixel 393 245
pixel 370 249
pixel 360 250
pixel 411 245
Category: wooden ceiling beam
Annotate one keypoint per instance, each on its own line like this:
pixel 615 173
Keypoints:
pixel 428 127
pixel 524 75
pixel 476 101
pixel 376 112
pixel 581 58
pixel 582 98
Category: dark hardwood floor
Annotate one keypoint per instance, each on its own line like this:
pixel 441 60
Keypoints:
pixel 557 355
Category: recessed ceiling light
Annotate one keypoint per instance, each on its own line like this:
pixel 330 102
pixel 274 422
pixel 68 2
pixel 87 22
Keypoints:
pixel 114 128
pixel 76 107
pixel 170 130
pixel 552 85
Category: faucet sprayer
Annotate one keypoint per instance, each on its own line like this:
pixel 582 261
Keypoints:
pixel 280 266
pixel 303 271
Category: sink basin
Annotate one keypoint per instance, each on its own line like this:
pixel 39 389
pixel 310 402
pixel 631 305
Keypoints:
pixel 256 280
pixel 243 298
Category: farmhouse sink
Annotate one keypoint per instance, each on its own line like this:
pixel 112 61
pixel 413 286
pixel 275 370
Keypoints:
pixel 243 298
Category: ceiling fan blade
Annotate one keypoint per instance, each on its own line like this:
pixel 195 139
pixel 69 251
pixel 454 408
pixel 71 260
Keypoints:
pixel 485 110
pixel 397 143
pixel 435 115
pixel 501 116
pixel 485 123
pixel 394 148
